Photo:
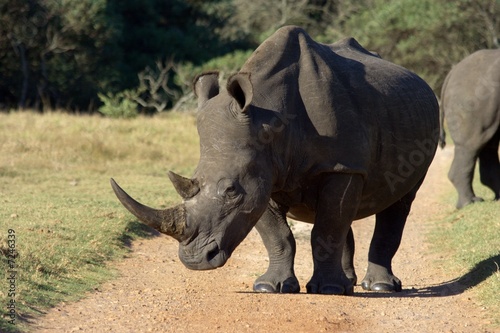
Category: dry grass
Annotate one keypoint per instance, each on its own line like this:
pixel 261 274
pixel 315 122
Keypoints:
pixel 58 141
pixel 55 194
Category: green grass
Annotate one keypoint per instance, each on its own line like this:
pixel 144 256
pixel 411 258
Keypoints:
pixel 55 195
pixel 470 240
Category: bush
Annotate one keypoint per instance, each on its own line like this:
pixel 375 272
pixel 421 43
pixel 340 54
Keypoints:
pixel 120 105
pixel 225 65
pixel 186 72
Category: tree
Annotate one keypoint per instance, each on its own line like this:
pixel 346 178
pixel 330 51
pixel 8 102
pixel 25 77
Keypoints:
pixel 51 50
pixel 426 36
pixel 64 53
pixel 258 19
pixel 19 35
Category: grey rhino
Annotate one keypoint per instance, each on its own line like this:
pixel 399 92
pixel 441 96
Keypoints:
pixel 470 101
pixel 324 134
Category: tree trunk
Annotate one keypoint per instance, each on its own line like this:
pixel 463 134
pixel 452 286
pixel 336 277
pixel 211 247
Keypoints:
pixel 24 67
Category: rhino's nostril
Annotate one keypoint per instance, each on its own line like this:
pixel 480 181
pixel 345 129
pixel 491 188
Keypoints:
pixel 211 254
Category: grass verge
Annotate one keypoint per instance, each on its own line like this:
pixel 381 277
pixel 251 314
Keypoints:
pixel 60 223
pixel 471 236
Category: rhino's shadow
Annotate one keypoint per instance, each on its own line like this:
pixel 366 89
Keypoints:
pixel 136 229
pixel 479 273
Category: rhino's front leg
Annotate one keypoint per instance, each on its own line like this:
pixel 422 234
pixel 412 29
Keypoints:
pixel 337 206
pixel 348 258
pixel 280 244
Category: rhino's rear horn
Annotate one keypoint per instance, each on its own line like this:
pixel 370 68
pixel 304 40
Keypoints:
pixel 187 188
pixel 171 221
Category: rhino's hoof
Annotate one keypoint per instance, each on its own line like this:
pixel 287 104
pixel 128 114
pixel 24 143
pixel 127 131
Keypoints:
pixel 477 199
pixel 353 279
pixel 330 290
pixel 290 289
pixel 461 205
pixel 381 286
pixel 264 288
pixel 268 288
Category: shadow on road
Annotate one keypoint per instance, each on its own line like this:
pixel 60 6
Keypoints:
pixel 480 272
pixel 136 229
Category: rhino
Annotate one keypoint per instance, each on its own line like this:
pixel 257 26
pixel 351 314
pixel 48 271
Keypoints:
pixel 470 101
pixel 324 134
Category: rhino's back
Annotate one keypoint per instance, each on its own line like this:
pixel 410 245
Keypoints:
pixel 355 112
pixel 399 121
pixel 471 98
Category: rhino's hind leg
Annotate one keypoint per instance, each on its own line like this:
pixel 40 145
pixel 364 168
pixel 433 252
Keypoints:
pixel 280 244
pixel 489 165
pixel 461 174
pixel 389 225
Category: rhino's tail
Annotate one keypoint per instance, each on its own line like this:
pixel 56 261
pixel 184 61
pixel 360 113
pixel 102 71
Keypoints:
pixel 442 133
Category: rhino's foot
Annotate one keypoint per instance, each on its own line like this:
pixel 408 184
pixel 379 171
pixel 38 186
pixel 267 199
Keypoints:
pixel 269 283
pixel 382 286
pixel 351 276
pixel 330 287
pixel 381 281
pixel 462 202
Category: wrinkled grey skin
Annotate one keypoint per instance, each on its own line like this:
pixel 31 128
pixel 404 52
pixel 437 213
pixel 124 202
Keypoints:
pixel 470 100
pixel 324 134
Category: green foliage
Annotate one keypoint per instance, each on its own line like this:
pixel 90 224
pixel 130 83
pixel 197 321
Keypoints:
pixel 425 36
pixel 225 65
pixel 119 105
pixel 229 63
pixel 51 51
pixel 64 53
pixel 258 19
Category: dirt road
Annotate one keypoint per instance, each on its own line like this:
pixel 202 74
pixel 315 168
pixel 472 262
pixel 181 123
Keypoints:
pixel 156 293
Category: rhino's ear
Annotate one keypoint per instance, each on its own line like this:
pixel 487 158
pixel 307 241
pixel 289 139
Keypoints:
pixel 240 87
pixel 206 86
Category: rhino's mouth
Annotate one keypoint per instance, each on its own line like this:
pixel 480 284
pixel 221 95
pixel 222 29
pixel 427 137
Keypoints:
pixel 210 257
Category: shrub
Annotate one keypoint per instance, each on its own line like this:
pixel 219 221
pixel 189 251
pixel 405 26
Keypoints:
pixel 185 73
pixel 119 105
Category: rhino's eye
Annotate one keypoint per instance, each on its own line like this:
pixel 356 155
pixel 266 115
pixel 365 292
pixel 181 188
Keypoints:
pixel 227 188
pixel 231 191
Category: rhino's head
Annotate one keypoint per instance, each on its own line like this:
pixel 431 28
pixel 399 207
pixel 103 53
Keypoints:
pixel 230 188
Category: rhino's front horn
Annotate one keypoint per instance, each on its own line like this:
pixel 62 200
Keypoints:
pixel 187 188
pixel 171 221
